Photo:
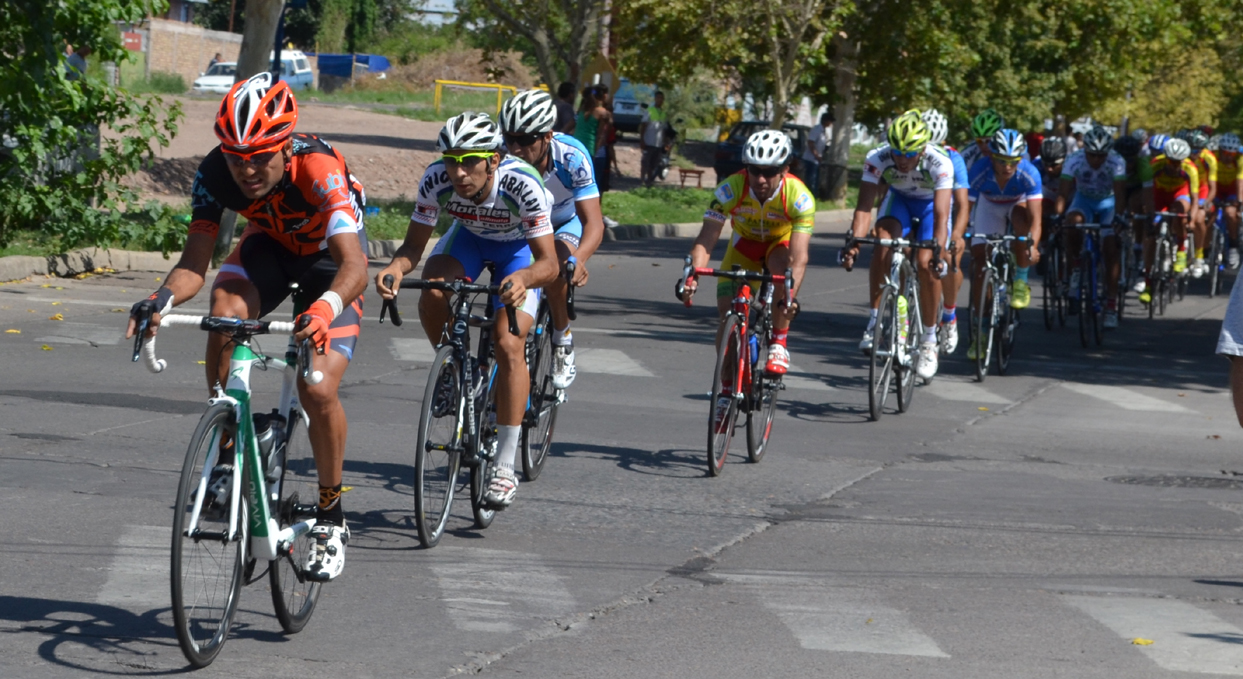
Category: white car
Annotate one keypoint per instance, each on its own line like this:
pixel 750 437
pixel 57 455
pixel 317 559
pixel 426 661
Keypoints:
pixel 295 70
pixel 218 79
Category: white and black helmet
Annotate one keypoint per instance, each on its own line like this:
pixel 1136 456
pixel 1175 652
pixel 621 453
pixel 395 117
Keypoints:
pixel 469 132
pixel 937 125
pixel 1177 150
pixel 767 147
pixel 529 112
pixel 1098 140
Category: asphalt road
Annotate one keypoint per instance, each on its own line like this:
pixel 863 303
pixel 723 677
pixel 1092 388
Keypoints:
pixel 1034 525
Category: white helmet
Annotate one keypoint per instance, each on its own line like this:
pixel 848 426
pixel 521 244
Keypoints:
pixel 1177 150
pixel 529 112
pixel 937 124
pixel 1229 142
pixel 469 132
pixel 1098 140
pixel 767 147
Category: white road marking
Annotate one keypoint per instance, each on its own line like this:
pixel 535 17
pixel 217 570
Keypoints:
pixel 1185 638
pixel 138 575
pixel 842 619
pixel 416 349
pixel 608 362
pixel 1126 399
pixel 490 590
pixel 953 390
pixel 797 378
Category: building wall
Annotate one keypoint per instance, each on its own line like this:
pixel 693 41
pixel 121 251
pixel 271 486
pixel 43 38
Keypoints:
pixel 185 49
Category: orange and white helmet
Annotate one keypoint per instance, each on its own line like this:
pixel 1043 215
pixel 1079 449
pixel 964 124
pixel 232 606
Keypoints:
pixel 256 114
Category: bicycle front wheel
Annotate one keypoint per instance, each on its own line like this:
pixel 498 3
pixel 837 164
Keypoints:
pixel 884 349
pixel 1086 307
pixel 909 356
pixel 726 383
pixel 485 439
pixel 985 324
pixel 763 406
pixel 206 574
pixel 294 487
pixel 1049 286
pixel 436 452
pixel 541 416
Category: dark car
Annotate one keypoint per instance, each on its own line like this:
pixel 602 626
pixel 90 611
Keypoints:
pixel 729 152
pixel 628 104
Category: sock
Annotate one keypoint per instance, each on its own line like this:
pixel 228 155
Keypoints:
pixel 562 338
pixel 1199 253
pixel 872 318
pixel 329 509
pixel 949 314
pixel 779 336
pixel 507 438
pixel 930 335
pixel 1020 274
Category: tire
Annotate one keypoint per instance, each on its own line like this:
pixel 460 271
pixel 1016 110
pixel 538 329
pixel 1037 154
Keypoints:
pixel 206 574
pixel 298 491
pixel 436 451
pixel 884 346
pixel 1214 261
pixel 1085 308
pixel 1006 338
pixel 915 331
pixel 542 404
pixel 485 438
pixel 1050 286
pixel 1098 311
pixel 984 326
pixel 728 355
pixel 762 407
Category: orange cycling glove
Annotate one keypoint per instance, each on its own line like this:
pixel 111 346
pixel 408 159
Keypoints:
pixel 320 317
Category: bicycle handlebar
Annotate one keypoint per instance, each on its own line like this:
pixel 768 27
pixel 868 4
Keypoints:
pixel 737 274
pixel 232 326
pixel 996 237
pixel 459 285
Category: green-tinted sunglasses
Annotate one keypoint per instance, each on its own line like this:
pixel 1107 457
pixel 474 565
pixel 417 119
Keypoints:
pixel 460 158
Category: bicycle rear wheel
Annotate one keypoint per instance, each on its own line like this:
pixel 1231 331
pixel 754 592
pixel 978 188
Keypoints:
pixel 437 448
pixel 884 349
pixel 762 409
pixel 726 383
pixel 206 574
pixel 541 415
pixel 1006 335
pixel 485 439
pixel 294 487
pixel 985 324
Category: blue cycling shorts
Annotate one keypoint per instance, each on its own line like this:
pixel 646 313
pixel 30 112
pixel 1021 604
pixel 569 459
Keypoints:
pixel 1095 211
pixel 905 210
pixel 473 252
pixel 571 232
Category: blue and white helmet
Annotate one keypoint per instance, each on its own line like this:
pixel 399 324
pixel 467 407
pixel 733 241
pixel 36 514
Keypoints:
pixel 1228 142
pixel 530 112
pixel 1156 143
pixel 1009 143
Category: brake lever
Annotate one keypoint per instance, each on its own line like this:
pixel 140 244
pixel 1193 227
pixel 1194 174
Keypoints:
pixel 571 265
pixel 390 305
pixel 511 312
pixel 140 336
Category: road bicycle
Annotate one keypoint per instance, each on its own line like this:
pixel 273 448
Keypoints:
pixel 457 419
pixel 542 405
pixel 1216 256
pixel 1054 285
pixel 1163 282
pixel 1091 292
pixel 248 492
pixel 994 322
pixel 739 379
pixel 899 325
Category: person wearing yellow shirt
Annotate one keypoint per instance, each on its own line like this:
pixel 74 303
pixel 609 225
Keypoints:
pixel 1206 165
pixel 1175 181
pixel 1229 188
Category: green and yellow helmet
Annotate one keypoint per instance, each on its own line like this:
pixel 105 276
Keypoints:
pixel 987 123
pixel 909 133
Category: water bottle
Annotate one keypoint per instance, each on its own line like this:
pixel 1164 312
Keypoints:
pixel 263 433
pixel 755 348
pixel 903 322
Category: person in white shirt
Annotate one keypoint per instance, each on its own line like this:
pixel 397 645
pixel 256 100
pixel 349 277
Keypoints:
pixel 813 152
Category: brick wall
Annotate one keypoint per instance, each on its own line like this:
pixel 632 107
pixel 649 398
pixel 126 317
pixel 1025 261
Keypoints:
pixel 185 49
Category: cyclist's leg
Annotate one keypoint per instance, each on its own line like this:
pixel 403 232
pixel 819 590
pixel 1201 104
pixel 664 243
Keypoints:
pixel 512 377
pixel 1231 213
pixel 951 282
pixel 251 269
pixel 1112 270
pixel 988 219
pixel 892 220
pixel 456 255
pixel 568 236
pixel 1200 228
pixel 929 285
pixel 779 259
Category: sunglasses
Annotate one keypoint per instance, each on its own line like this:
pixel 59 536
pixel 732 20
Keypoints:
pixel 906 154
pixel 1097 155
pixel 1007 160
pixel 258 158
pixel 470 158
pixel 522 140
pixel 765 171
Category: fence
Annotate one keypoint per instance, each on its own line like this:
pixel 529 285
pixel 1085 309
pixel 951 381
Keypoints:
pixel 438 96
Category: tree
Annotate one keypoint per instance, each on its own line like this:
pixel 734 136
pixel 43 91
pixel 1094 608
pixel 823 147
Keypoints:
pixel 56 173
pixel 794 33
pixel 561 35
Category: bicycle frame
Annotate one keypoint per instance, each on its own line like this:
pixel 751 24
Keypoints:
pixel 1090 259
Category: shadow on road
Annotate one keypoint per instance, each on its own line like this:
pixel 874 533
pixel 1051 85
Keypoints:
pixel 671 462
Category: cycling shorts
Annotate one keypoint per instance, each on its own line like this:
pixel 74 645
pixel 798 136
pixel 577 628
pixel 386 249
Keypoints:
pixel 1095 210
pixel 1223 198
pixel 473 253
pixel 571 232
pixel 989 218
pixel 750 254
pixel 906 211
pixel 270 267
pixel 1164 199
pixel 1203 192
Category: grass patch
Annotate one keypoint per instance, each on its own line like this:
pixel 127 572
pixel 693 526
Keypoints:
pixel 394 218
pixel 31 244
pixel 418 104
pixel 656 205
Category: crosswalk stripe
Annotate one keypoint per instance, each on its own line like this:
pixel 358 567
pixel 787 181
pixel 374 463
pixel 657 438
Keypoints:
pixel 138 574
pixel 842 619
pixel 609 362
pixel 1126 399
pixel 491 590
pixel 1185 638
pixel 953 390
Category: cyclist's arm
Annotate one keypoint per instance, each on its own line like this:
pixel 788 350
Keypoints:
pixel 1065 194
pixel 541 272
pixel 863 210
pixel 1212 192
pixel 347 251
pixel 705 242
pixel 1120 196
pixel 799 245
pixel 1034 213
pixel 941 214
pixel 963 219
pixel 592 217
pixel 186 278
pixel 1150 200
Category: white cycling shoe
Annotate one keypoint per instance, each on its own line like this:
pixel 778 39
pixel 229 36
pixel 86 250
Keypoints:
pixel 865 344
pixel 926 360
pixel 326 559
pixel 563 370
pixel 502 487
pixel 951 336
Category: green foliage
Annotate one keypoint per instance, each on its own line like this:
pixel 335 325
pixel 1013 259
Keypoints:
pixel 334 21
pixel 407 41
pixel 57 173
pixel 158 83
pixel 692 100
pixel 157 227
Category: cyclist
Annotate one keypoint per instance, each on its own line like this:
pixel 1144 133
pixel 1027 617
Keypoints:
pixel 772 214
pixel 1000 184
pixel 305 226
pixel 1156 145
pixel 1175 180
pixel 920 181
pixel 578 224
pixel 951 282
pixel 1206 165
pixel 1094 183
pixel 1049 164
pixel 1230 187
pixel 501 214
pixel 983 127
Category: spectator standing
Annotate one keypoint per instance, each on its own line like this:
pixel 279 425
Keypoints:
pixel 1230 345
pixel 214 60
pixel 592 129
pixel 565 109
pixel 652 139
pixel 813 152
pixel 75 66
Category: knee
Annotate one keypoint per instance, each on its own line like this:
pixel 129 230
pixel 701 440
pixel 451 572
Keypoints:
pixel 510 349
pixel 229 305
pixel 318 398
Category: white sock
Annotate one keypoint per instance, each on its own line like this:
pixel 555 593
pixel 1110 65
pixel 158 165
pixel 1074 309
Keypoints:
pixel 930 335
pixel 562 338
pixel 872 318
pixel 507 439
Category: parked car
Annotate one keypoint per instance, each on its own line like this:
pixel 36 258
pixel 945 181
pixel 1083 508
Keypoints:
pixel 628 104
pixel 729 152
pixel 295 70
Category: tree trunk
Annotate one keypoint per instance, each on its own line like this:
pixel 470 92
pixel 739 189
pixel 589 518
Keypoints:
pixel 845 75
pixel 258 37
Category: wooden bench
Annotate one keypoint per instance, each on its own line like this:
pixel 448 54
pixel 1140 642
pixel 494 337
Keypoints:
pixel 684 173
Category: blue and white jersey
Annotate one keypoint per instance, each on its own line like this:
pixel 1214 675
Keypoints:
pixel 960 167
pixel 1023 186
pixel 571 178
pixel 518 206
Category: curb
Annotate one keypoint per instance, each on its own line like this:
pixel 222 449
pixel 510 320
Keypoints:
pixel 826 220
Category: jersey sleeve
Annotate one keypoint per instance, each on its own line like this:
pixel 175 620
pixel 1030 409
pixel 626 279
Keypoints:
pixel 1070 167
pixel 1193 179
pixel 1033 184
pixel 1119 167
pixel 725 198
pixel 802 208
pixel 942 172
pixel 1210 162
pixel 1143 169
pixel 323 179
pixel 873 166
pixel 534 202
pixel 582 177
pixel 427 205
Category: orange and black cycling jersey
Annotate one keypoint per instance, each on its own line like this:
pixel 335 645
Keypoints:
pixel 317 198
